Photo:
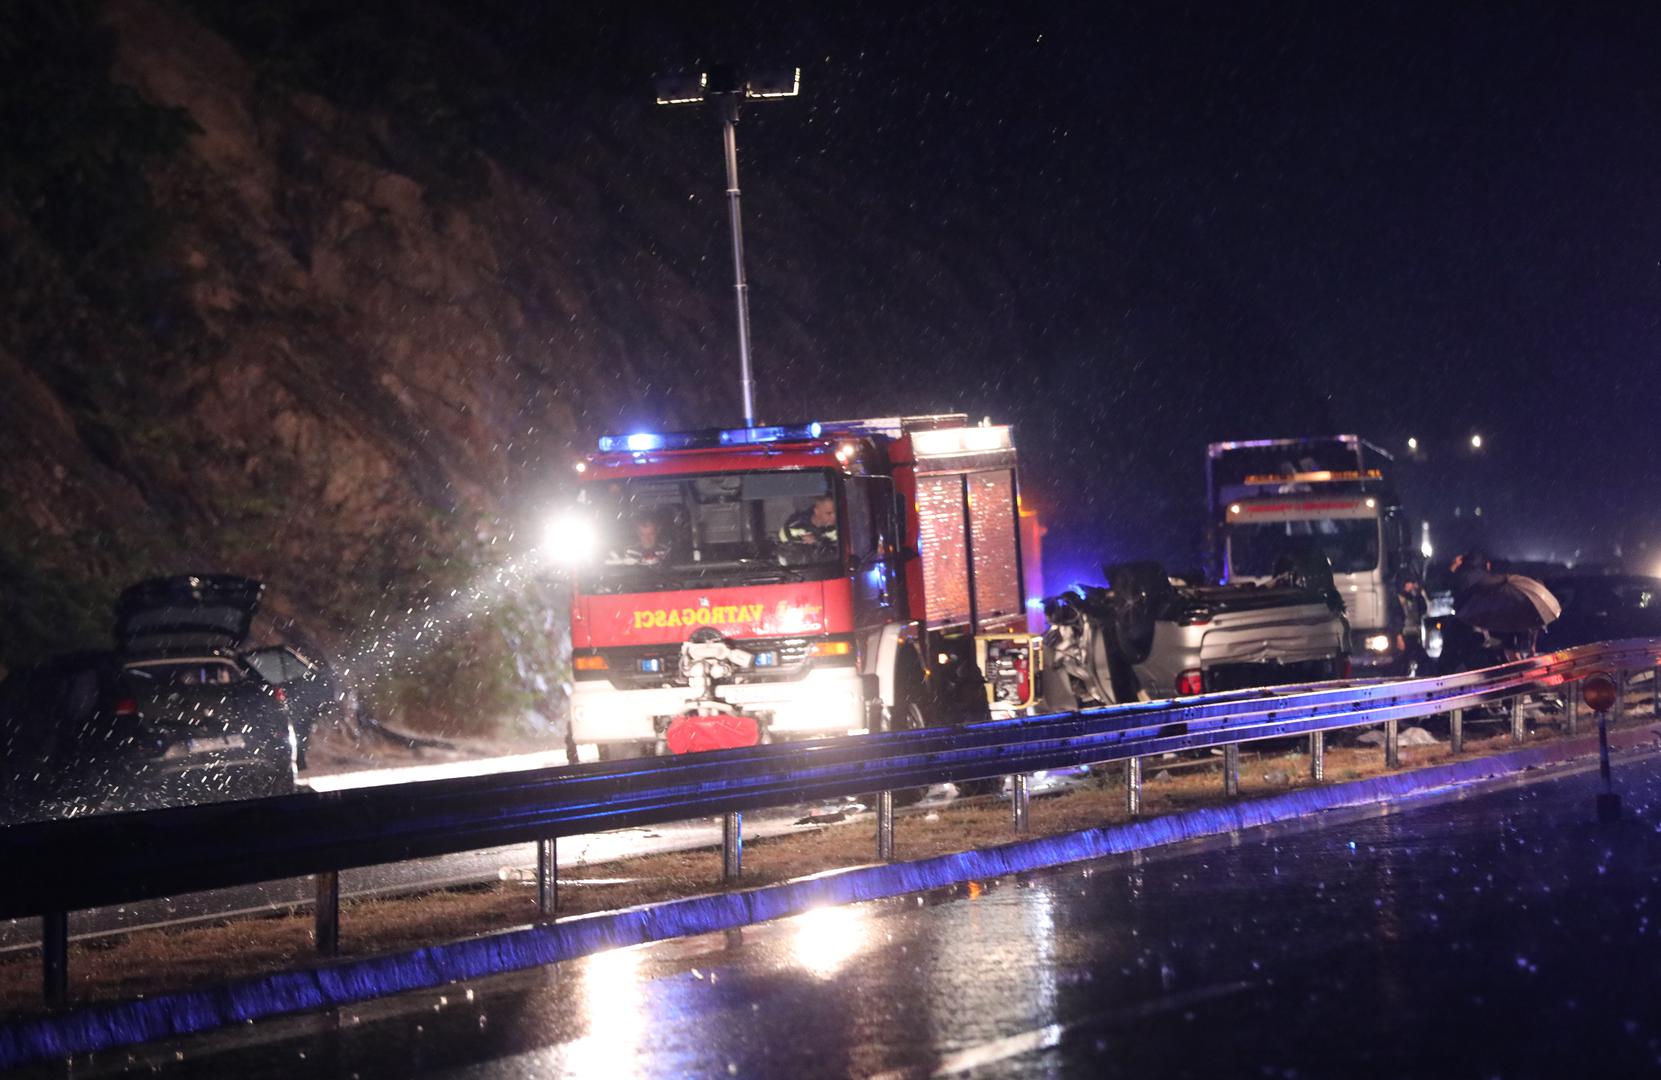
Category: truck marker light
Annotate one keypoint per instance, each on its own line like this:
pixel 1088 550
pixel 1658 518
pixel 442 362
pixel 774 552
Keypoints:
pixel 829 648
pixel 589 663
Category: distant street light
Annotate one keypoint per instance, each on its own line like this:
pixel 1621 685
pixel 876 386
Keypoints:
pixel 725 86
pixel 1476 442
pixel 1412 444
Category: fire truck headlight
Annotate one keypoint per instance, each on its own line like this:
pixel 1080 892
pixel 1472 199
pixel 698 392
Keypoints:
pixel 570 539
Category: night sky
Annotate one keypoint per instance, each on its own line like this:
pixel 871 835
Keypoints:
pixel 1217 221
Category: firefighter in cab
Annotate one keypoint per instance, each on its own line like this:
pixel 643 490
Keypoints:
pixel 814 527
pixel 650 547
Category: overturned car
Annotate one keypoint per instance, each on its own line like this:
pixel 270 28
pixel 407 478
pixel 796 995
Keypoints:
pixel 1147 635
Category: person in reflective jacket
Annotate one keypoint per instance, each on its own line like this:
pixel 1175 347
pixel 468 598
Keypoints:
pixel 815 527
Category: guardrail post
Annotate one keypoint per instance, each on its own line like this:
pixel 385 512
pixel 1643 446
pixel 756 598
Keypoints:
pixel 1602 691
pixel 885 825
pixel 1133 786
pixel 328 912
pixel 547 875
pixel 732 845
pixel 1655 690
pixel 1571 707
pixel 1456 731
pixel 1317 756
pixel 1392 744
pixel 1609 803
pixel 1519 733
pixel 1231 770
pixel 54 957
pixel 1019 794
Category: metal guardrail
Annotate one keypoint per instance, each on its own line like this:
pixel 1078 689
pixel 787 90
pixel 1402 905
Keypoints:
pixel 108 859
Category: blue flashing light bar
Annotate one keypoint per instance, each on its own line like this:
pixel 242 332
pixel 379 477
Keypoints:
pixel 645 442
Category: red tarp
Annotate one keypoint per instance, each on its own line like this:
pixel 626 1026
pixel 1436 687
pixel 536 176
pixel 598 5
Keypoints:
pixel 691 733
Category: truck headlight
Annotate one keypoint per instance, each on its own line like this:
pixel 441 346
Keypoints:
pixel 571 539
pixel 1377 642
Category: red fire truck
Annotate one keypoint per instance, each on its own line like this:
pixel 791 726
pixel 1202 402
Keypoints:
pixel 761 584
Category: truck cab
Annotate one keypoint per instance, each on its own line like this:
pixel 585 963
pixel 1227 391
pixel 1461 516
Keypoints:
pixel 849 565
pixel 1272 499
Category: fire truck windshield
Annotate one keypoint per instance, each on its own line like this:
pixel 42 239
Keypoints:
pixel 667 532
pixel 1351 545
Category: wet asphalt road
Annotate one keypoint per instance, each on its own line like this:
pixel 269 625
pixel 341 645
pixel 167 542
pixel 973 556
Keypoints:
pixel 1504 934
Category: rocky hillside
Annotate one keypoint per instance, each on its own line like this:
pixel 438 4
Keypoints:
pixel 253 330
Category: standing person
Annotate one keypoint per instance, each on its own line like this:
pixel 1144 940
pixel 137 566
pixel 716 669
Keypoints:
pixel 1410 597
pixel 1466 646
pixel 1472 572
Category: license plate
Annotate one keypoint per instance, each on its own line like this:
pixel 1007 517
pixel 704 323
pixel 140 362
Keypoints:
pixel 216 742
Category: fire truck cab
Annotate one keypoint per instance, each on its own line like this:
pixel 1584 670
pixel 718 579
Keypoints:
pixel 847 567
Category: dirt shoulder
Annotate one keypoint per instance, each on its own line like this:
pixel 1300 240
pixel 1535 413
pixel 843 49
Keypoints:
pixel 146 962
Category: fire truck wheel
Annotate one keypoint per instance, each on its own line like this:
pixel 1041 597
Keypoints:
pixel 907 713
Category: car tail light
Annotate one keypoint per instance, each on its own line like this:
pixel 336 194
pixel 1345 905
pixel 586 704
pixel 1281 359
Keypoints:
pixel 277 692
pixel 589 663
pixel 1190 683
pixel 126 707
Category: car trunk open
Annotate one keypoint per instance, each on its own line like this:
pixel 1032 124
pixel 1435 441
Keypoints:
pixel 187 612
